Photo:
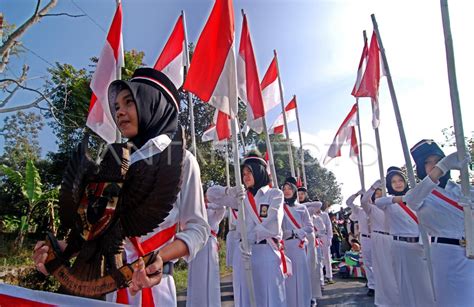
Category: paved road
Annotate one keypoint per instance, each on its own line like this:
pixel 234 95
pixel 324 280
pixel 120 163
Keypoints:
pixel 345 292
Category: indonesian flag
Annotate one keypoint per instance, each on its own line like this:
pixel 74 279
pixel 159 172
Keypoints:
pixel 212 73
pixel 345 133
pixel 171 59
pixel 249 82
pixel 368 85
pixel 100 119
pixel 270 87
pixel 278 126
pixel 219 130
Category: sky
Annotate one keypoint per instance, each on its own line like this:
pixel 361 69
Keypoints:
pixel 319 43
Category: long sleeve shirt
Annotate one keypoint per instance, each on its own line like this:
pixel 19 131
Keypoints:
pixel 376 215
pixel 399 221
pixel 359 215
pixel 301 215
pixel 269 207
pixel 215 214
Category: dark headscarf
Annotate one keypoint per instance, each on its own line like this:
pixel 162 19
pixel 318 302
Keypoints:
pixel 258 167
pixel 391 172
pixel 291 181
pixel 373 195
pixel 306 198
pixel 420 152
pixel 157 102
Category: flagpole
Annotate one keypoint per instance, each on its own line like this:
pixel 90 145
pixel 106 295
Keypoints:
pixel 290 151
pixel 401 131
pixel 458 129
pixel 226 157
pixel 408 164
pixel 241 136
pixel 118 134
pixel 301 143
pixel 190 96
pixel 360 160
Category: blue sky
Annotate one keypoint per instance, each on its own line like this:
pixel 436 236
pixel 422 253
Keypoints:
pixel 319 45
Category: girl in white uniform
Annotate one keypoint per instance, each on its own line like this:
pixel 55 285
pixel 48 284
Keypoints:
pixel 203 271
pixel 386 287
pixel 437 202
pixel 264 217
pixel 297 226
pixel 409 263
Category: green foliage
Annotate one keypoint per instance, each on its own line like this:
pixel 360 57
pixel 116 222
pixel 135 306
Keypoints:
pixel 20 132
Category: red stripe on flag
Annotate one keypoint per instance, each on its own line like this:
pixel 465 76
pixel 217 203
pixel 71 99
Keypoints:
pixel 211 51
pixel 173 47
pixel 222 126
pixel 253 90
pixel 278 130
pixel 369 85
pixel 271 75
pixel 115 32
pixel 7 300
pixel 291 105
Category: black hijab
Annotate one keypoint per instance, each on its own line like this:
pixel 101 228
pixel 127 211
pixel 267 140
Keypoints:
pixel 291 182
pixel 156 99
pixel 258 167
pixel 391 172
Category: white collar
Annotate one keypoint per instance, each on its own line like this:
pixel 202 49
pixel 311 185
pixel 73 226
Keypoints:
pixel 152 147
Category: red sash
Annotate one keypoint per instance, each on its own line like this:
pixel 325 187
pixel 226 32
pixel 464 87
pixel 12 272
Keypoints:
pixel 447 199
pixel 143 248
pixel 408 211
pixel 273 242
pixel 294 222
pixel 234 213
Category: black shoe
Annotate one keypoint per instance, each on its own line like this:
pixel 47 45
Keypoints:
pixel 313 302
pixel 371 292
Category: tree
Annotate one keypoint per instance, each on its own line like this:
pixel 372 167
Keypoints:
pixel 20 132
pixel 33 195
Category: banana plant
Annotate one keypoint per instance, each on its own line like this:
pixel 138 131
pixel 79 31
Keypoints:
pixel 31 189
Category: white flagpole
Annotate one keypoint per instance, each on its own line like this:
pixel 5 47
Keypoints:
pixel 227 171
pixel 290 151
pixel 408 164
pixel 190 96
pixel 458 130
pixel 118 134
pixel 360 160
pixel 301 143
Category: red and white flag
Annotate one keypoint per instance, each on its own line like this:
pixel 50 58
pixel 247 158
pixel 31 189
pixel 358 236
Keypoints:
pixel 111 60
pixel 212 74
pixel 249 82
pixel 270 87
pixel 345 133
pixel 278 126
pixel 219 130
pixel 368 85
pixel 171 60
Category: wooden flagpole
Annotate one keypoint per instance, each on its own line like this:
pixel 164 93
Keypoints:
pixel 190 96
pixel 406 154
pixel 290 150
pixel 301 143
pixel 458 130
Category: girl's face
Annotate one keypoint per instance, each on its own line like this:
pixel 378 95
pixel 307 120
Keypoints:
pixel 398 183
pixel 430 162
pixel 247 177
pixel 126 115
pixel 287 191
pixel 301 196
pixel 378 193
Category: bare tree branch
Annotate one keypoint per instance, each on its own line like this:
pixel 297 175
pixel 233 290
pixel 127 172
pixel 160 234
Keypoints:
pixel 12 38
pixel 12 92
pixel 62 14
pixel 33 104
pixel 24 87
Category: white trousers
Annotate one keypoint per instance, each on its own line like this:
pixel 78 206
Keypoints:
pixel 367 255
pixel 231 243
pixel 453 275
pixel 327 257
pixel 411 274
pixel 314 268
pixel 298 285
pixel 204 278
pixel 269 283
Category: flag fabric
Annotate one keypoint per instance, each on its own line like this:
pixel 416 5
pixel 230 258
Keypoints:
pixel 360 70
pixel 249 82
pixel 270 87
pixel 278 126
pixel 212 72
pixel 369 83
pixel 171 59
pixel 345 133
pixel 111 60
pixel 1 26
pixel 219 130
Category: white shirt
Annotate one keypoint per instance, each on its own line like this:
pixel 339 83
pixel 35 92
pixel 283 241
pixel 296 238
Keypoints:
pixel 400 223
pixel 188 212
pixel 301 215
pixel 359 215
pixel 215 214
pixel 440 218
pixel 269 205
pixel 376 216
